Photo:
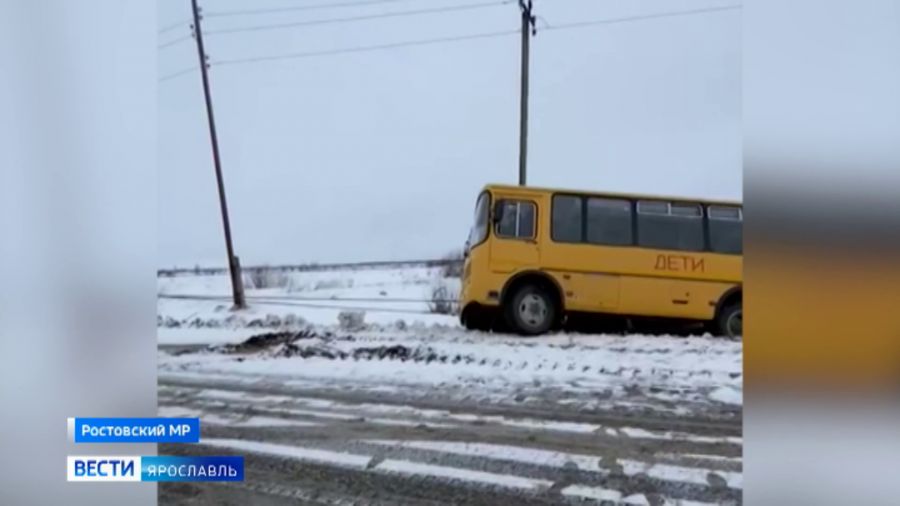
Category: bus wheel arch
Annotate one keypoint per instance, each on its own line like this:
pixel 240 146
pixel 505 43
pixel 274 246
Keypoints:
pixel 535 288
pixel 730 313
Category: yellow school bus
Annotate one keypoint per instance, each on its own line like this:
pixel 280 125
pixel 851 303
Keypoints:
pixel 536 257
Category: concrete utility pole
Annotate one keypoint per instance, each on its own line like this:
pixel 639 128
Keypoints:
pixel 528 24
pixel 234 267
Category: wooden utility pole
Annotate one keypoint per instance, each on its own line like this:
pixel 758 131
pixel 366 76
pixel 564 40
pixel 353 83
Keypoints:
pixel 234 267
pixel 528 25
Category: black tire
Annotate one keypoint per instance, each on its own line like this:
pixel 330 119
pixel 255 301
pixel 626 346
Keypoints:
pixel 530 310
pixel 730 321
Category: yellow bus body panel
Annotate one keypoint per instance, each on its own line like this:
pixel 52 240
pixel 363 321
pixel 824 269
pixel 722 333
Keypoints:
pixel 622 280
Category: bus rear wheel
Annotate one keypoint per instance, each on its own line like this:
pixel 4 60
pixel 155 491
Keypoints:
pixel 530 310
pixel 730 321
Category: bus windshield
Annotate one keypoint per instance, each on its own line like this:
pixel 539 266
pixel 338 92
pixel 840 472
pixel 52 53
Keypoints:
pixel 479 230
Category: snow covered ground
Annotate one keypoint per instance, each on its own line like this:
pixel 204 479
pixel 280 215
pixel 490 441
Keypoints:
pixel 669 374
pixel 297 446
pixel 405 394
pixel 400 344
pixel 388 297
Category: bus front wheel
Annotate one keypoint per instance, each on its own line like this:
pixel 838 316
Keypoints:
pixel 730 321
pixel 530 310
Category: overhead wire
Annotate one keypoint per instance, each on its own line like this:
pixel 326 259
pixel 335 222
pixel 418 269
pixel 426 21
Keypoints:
pixel 642 17
pixel 307 298
pixel 353 308
pixel 174 41
pixel 366 17
pixel 298 8
pixel 312 302
pixel 459 38
pixel 178 73
pixel 168 28
pixel 361 49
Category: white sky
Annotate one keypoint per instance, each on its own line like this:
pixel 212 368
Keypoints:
pixel 380 155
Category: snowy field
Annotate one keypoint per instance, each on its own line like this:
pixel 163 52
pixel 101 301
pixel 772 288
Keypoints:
pixel 389 297
pixel 395 342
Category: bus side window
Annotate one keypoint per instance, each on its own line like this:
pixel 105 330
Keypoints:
pixel 668 225
pixel 726 233
pixel 517 221
pixel 609 221
pixel 566 219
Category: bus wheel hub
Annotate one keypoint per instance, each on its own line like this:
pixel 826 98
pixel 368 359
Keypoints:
pixel 533 310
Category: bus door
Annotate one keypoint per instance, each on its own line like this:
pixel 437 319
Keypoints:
pixel 515 230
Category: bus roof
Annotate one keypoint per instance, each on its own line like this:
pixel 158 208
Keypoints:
pixel 610 194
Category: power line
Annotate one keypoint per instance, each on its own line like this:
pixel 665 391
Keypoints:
pixel 609 21
pixel 174 41
pixel 440 40
pixel 361 49
pixel 248 12
pixel 368 309
pixel 265 298
pixel 270 301
pixel 416 12
pixel 177 74
pixel 173 26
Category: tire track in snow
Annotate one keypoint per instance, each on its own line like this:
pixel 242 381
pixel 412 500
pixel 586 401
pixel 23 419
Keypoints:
pixel 412 468
pixel 584 462
pixel 545 463
pixel 412 416
pixel 616 414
